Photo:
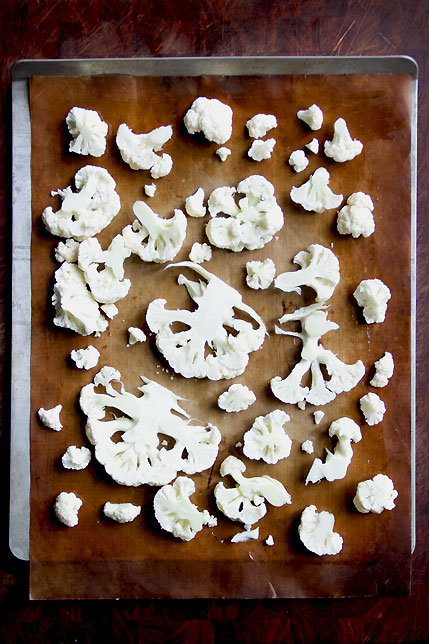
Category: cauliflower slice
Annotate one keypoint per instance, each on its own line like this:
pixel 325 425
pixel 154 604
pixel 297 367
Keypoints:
pixel 175 512
pixel 315 194
pixel 307 447
pixel 200 253
pixel 223 153
pixel 194 204
pixel 107 285
pixel 356 217
pixel 252 223
pixel 88 131
pixel 67 251
pixel 313 117
pixel 245 536
pixel 261 150
pixel 138 457
pixel 266 439
pixel 373 408
pixel 66 508
pixel 135 335
pixel 76 458
pixel 245 501
pixel 121 512
pixel 342 147
pixel 260 274
pixel 373 296
pixel 86 212
pixel 260 124
pixel 320 269
pixel 207 327
pixel 236 398
pixel 313 146
pixel 383 370
pixel 50 418
pixel 85 358
pixel 139 150
pixel 375 495
pixel 153 238
pixel 298 160
pixel 336 464
pixel 211 117
pixel 316 531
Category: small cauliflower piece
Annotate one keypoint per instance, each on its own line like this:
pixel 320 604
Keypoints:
pixel 85 358
pixel 313 117
pixel 260 150
pixel 356 217
pixel 269 541
pixel 194 205
pixel 313 146
pixel 139 150
pixel 260 124
pixel 373 296
pixel 383 370
pixel 307 447
pixel 200 253
pixel 50 418
pixel 246 535
pixel 267 440
pixel 150 189
pixel 315 194
pixel 336 464
pixel 211 117
pixel 66 507
pixel 236 398
pixel 223 153
pixel 76 458
pixel 121 512
pixel 108 284
pixel 135 335
pixel 88 131
pixel 109 310
pixel 316 531
pixel 342 147
pixel 177 514
pixel 260 275
pixel 67 251
pixel 246 501
pixel 318 416
pixel 373 408
pixel 298 160
pixel 375 495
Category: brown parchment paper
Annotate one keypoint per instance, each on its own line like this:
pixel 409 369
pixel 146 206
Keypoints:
pixel 98 559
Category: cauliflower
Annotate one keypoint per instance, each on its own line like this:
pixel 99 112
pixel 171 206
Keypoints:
pixel 313 355
pixel 307 447
pixel 245 501
pixel 269 541
pixel 320 270
pixel 66 507
pixel 67 251
pixel 373 296
pixel 260 274
pixel 342 147
pixel 261 150
pixel 356 217
pixel 139 150
pixel 236 398
pixel 313 146
pixel 150 189
pixel 153 238
pixel 175 513
pixel 86 212
pixel 109 310
pixel 316 531
pixel 211 117
pixel 315 194
pixel 194 205
pixel 373 408
pixel 252 223
pixel 50 418
pixel 108 284
pixel 85 358
pixel 245 536
pixel 76 458
pixel 375 495
pixel 318 416
pixel 88 131
pixel 266 439
pixel 383 370
pixel 313 117
pixel 137 457
pixel 135 335
pixel 336 464
pixel 223 153
pixel 298 160
pixel 200 253
pixel 121 512
pixel 260 124
pixel 207 327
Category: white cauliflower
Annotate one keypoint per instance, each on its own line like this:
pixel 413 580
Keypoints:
pixel 260 124
pixel 223 153
pixel 135 335
pixel 200 253
pixel 109 310
pixel 260 150
pixel 375 495
pixel 313 146
pixel 373 296
pixel 313 117
pixel 50 418
pixel 383 370
pixel 245 535
pixel 260 274
pixel 85 358
pixel 88 131
pixel 373 408
pixel 86 212
pixel 316 531
pixel 336 463
pixel 67 251
pixel 76 458
pixel 356 217
pixel 298 160
pixel 342 147
pixel 307 447
pixel 318 416
pixel 66 507
pixel 269 541
pixel 108 284
pixel 121 512
pixel 194 204
pixel 267 439
pixel 150 189
pixel 315 194
pixel 139 150
pixel 211 117
pixel 236 398
pixel 252 223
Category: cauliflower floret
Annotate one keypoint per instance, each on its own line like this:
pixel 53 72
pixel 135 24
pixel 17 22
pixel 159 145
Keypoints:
pixel 313 117
pixel 121 512
pixel 88 131
pixel 194 205
pixel 342 147
pixel 223 153
pixel 76 458
pixel 150 189
pixel 211 117
pixel 373 296
pixel 373 408
pixel 307 447
pixel 375 495
pixel 260 124
pixel 50 418
pixel 200 253
pixel 267 439
pixel 66 508
pixel 107 285
pixel 85 358
pixel 315 194
pixel 336 464
pixel 135 335
pixel 313 146
pixel 383 370
pixel 356 217
pixel 316 531
pixel 260 274
pixel 318 416
pixel 261 150
pixel 139 150
pixel 236 398
pixel 245 535
pixel 67 251
pixel 298 160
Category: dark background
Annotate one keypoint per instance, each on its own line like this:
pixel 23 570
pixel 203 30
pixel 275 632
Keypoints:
pixel 120 28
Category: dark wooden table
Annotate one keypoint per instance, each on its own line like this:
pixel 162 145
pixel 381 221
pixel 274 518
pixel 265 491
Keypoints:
pixel 117 28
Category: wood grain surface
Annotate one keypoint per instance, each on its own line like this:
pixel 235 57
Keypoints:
pixel 65 29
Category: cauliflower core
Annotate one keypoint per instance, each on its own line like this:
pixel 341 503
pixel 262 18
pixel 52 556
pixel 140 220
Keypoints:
pixel 315 194
pixel 236 398
pixel 266 439
pixel 356 217
pixel 373 296
pixel 336 464
pixel 316 531
pixel 260 274
pixel 139 150
pixel 88 131
pixel 211 117
pixel 375 495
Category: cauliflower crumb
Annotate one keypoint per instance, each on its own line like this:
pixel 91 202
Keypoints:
pixel 313 146
pixel 301 404
pixel 110 310
pixel 373 296
pixel 269 541
pixel 356 217
pixel 260 274
pixel 66 508
pixel 373 408
pixel 245 535
pixel 194 205
pixel 261 150
pixel 307 447
pixel 260 124
pixel 200 253
pixel 375 495
pixel 150 189
pixel 50 418
pixel 85 358
pixel 135 335
pixel 76 458
pixel 318 415
pixel 211 117
pixel 236 398
pixel 298 160
pixel 223 153
pixel 383 370
pixel 313 117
